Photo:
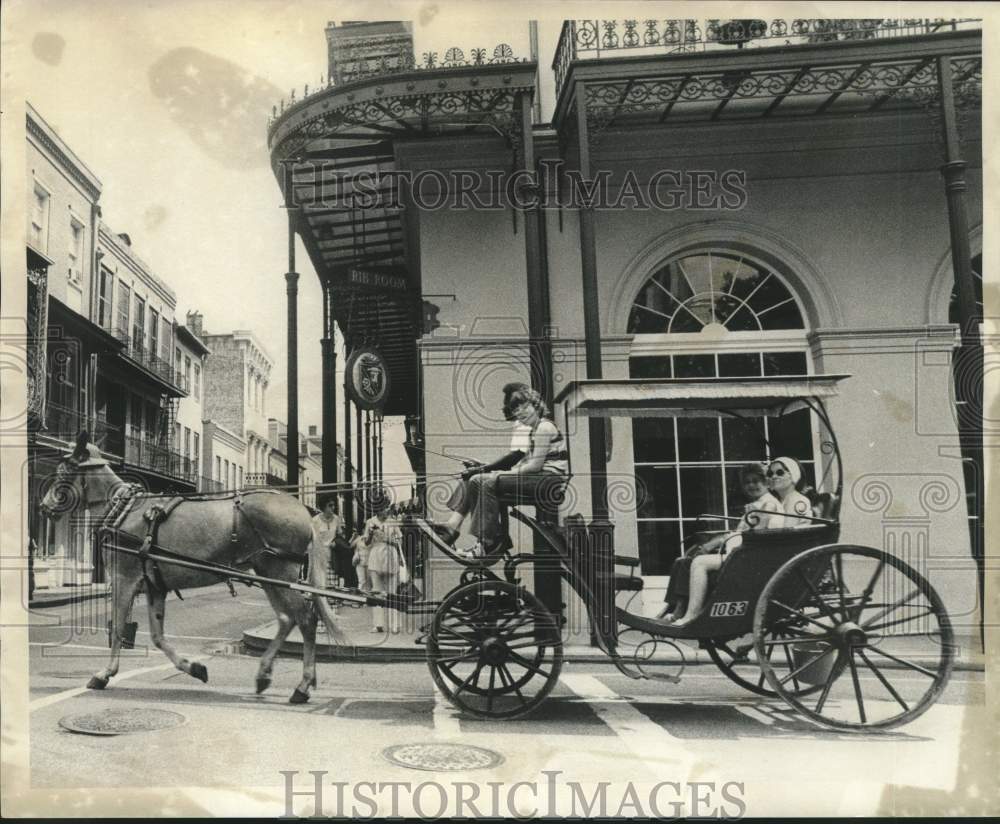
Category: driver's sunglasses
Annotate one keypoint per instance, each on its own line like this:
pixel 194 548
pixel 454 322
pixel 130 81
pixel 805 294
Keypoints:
pixel 777 473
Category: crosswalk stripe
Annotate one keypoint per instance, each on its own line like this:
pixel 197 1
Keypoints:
pixel 654 745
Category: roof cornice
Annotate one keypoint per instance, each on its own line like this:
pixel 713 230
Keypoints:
pixel 45 135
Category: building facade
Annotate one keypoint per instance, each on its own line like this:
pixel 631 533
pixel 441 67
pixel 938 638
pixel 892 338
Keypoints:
pixel 700 200
pixel 101 330
pixel 190 355
pixel 236 380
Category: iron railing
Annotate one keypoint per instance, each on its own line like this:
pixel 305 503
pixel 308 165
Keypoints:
pixel 65 423
pixel 262 479
pixel 593 39
pixel 148 455
pixel 149 360
pixel 401 62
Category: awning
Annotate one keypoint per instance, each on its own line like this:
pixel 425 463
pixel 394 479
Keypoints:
pixel 695 397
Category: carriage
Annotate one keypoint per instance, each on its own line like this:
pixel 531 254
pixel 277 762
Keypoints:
pixel 851 637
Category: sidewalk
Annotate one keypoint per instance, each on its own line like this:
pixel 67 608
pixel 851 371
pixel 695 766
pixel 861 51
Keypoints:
pixel 50 597
pixel 364 645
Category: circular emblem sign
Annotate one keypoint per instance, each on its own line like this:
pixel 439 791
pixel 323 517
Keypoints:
pixel 367 378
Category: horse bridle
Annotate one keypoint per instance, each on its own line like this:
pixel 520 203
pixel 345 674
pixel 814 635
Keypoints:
pixel 62 472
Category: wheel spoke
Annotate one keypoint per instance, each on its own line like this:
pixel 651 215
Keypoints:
pixel 524 662
pixel 773 642
pixel 489 693
pixel 798 614
pixel 505 673
pixel 885 682
pixel 892 608
pixel 900 621
pixel 467 638
pixel 908 664
pixel 807 664
pixel 834 674
pixel 469 680
pixel 857 686
pixel 469 656
pixel 794 672
pixel 823 607
pixel 838 563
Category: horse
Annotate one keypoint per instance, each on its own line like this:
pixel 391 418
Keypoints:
pixel 268 530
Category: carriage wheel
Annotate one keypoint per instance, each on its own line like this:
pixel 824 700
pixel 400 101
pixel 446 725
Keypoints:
pixel 862 626
pixel 742 668
pixel 494 650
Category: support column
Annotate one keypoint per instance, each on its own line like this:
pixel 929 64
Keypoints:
pixel 539 347
pixel 378 421
pixel 359 464
pixel 968 363
pixel 329 424
pixel 368 448
pixel 591 315
pixel 292 291
pixel 548 578
pixel 348 508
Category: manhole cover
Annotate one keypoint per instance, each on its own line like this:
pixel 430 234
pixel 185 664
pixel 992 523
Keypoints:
pixel 442 757
pixel 120 721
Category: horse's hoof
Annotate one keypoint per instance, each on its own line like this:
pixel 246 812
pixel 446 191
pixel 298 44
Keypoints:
pixel 262 684
pixel 96 683
pixel 298 697
pixel 199 671
pixel 313 682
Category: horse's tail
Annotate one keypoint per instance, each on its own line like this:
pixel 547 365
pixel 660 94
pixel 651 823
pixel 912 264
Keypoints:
pixel 319 564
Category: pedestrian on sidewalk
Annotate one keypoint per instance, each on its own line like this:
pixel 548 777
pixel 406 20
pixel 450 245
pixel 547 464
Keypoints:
pixel 384 542
pixel 326 527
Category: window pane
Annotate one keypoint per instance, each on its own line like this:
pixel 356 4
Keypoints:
pixel 701 490
pixel 791 435
pixel 653 439
pixel 739 366
pixel 785 363
pixel 656 367
pixel 698 439
pixel 694 366
pixel 659 546
pixel 656 490
pixel 743 439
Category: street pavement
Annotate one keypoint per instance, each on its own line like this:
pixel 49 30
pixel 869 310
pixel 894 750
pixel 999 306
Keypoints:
pixel 598 726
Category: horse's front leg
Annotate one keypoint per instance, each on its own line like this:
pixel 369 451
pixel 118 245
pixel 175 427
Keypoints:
pixel 123 592
pixel 157 602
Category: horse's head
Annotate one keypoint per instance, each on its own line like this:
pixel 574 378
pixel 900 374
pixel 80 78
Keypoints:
pixel 83 478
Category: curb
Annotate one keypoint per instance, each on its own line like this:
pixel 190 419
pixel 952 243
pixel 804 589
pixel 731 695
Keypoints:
pixel 256 639
pixel 62 599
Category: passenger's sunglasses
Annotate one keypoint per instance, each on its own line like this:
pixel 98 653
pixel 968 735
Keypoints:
pixel 776 473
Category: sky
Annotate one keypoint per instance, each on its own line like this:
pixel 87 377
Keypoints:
pixel 166 101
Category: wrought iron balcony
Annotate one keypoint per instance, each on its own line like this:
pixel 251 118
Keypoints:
pixel 64 423
pixel 596 39
pixel 149 360
pixel 256 479
pixel 403 62
pixel 147 455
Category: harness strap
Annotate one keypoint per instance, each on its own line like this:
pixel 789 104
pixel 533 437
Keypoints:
pixel 154 516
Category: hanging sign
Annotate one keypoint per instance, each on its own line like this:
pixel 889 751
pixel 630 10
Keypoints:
pixel 367 378
pixel 371 280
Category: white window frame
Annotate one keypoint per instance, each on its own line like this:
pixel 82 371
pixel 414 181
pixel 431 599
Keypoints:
pixel 43 230
pixel 75 250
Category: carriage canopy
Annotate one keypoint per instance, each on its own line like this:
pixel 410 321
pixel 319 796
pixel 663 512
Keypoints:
pixel 695 397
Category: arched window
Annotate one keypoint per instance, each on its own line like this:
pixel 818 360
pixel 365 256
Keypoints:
pixel 710 313
pixel 713 289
